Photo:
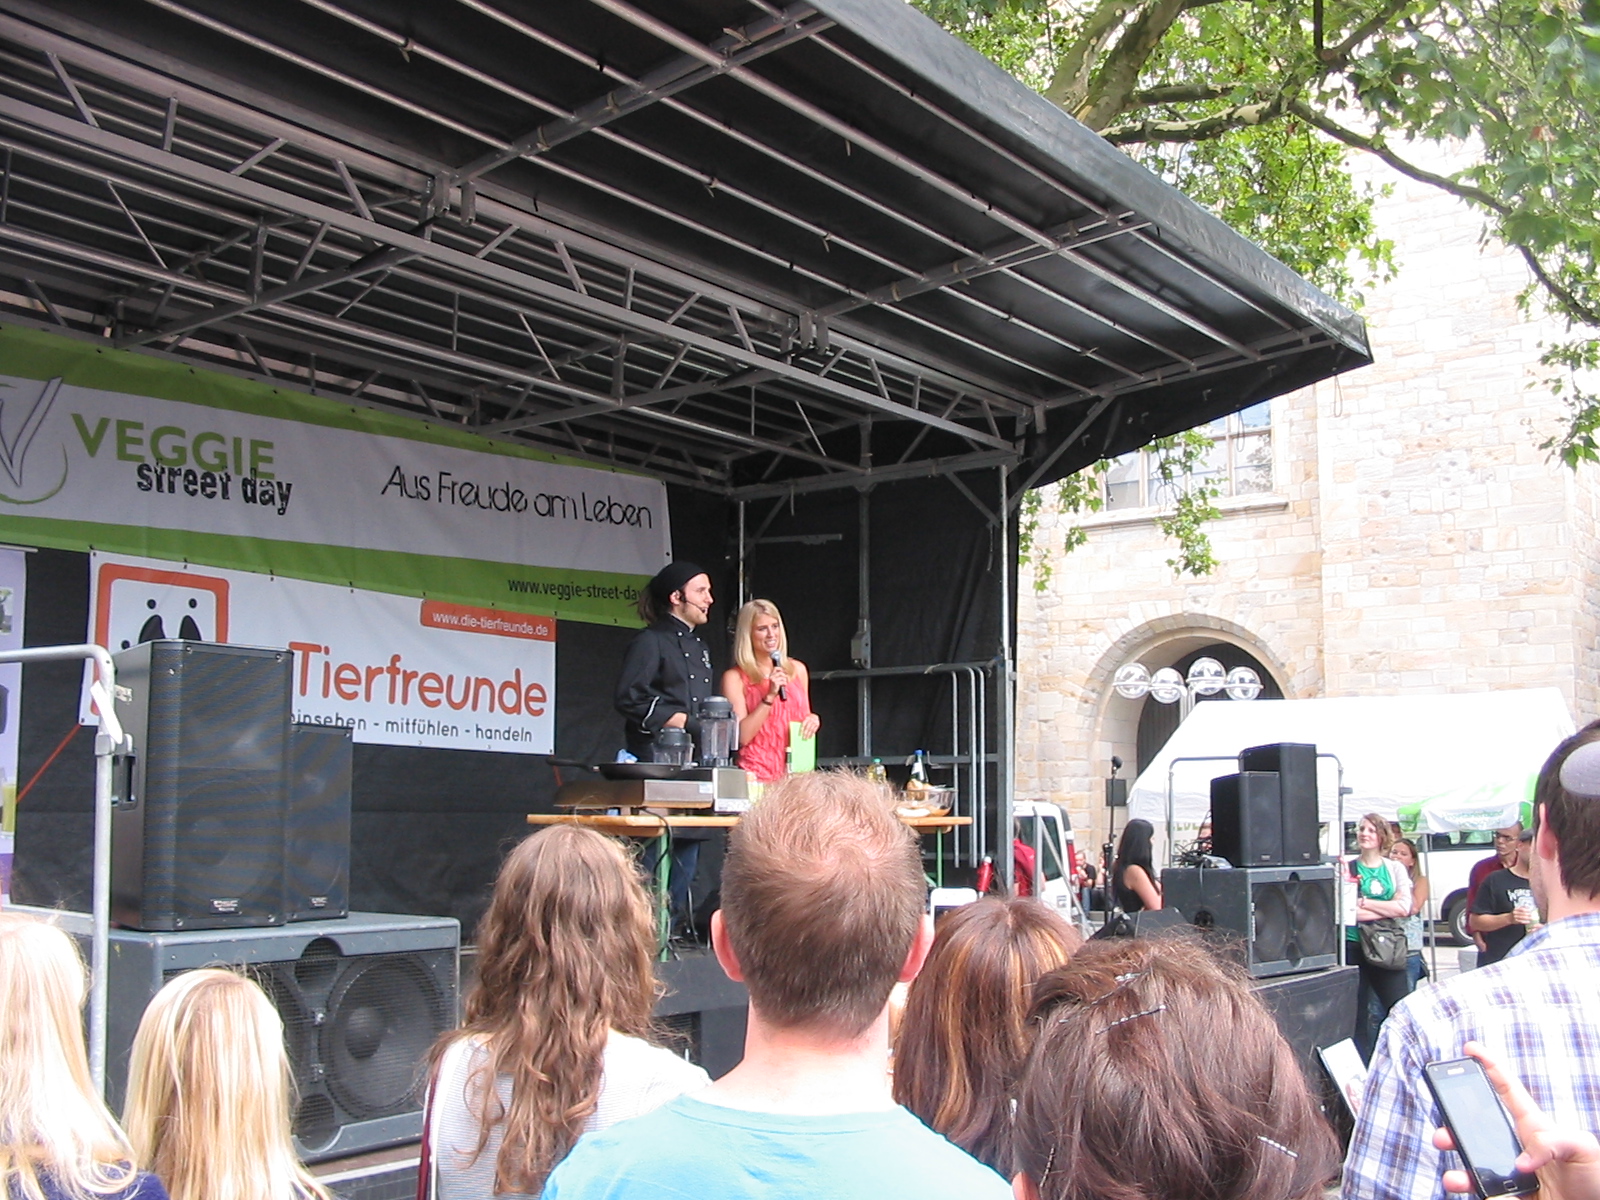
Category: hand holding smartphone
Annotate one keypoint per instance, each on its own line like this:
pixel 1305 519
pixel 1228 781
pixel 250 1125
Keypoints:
pixel 1480 1128
pixel 1566 1157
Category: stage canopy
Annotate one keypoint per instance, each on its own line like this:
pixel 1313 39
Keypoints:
pixel 822 259
pixel 745 248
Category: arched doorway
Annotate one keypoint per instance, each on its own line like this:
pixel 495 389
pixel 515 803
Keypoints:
pixel 1158 721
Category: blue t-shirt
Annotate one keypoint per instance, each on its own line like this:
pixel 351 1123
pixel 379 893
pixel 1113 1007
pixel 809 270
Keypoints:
pixel 143 1186
pixel 688 1149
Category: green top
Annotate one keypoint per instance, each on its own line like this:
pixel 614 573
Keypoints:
pixel 1375 883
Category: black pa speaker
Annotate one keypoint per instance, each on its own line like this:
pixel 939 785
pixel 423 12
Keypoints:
pixel 316 858
pixel 197 833
pixel 1246 821
pixel 1296 766
pixel 362 1001
pixel 1280 918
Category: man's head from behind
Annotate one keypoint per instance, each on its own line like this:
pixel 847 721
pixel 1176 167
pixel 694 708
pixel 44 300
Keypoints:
pixel 822 899
pixel 1567 802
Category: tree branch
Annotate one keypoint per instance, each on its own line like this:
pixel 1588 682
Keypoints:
pixel 1181 93
pixel 1070 83
pixel 1337 57
pixel 1114 82
pixel 1203 129
pixel 1571 304
pixel 1376 146
pixel 1574 307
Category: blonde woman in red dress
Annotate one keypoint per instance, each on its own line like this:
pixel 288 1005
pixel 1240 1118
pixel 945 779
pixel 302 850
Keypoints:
pixel 767 689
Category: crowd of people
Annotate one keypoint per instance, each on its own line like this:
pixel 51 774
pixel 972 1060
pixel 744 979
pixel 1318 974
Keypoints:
pixel 1025 1063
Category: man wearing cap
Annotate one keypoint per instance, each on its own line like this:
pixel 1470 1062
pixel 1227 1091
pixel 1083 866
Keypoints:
pixel 667 667
pixel 1537 1009
pixel 665 670
pixel 1504 907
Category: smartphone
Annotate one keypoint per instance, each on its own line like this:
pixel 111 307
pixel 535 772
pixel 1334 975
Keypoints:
pixel 1481 1128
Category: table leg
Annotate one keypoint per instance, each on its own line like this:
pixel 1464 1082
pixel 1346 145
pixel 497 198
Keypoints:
pixel 663 893
pixel 938 857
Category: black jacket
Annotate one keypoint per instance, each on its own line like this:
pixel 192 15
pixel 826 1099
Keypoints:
pixel 665 667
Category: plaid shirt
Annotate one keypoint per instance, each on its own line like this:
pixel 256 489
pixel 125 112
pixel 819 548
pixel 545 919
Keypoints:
pixel 1538 1009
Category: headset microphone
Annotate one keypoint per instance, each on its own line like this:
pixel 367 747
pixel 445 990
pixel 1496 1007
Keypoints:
pixel 777 665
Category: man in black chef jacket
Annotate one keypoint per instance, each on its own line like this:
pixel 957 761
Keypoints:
pixel 666 668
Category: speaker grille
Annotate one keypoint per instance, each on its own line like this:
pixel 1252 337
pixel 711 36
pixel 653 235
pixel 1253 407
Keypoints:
pixel 357 1031
pixel 1277 919
pixel 316 869
pixel 202 845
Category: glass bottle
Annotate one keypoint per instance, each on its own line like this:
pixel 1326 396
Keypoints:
pixel 919 783
pixel 876 773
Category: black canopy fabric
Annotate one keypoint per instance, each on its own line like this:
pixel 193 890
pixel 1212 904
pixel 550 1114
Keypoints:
pixel 747 248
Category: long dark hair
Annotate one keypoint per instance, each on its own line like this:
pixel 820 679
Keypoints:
pixel 964 1034
pixel 1127 1092
pixel 564 956
pixel 1133 849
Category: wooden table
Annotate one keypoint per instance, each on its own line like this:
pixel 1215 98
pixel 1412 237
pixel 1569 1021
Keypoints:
pixel 657 825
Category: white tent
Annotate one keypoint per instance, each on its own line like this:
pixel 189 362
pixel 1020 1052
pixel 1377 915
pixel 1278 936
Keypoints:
pixel 1395 750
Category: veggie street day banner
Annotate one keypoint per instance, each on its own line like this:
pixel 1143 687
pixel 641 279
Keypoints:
pixel 117 451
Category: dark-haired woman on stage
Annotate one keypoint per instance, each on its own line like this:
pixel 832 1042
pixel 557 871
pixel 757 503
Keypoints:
pixel 767 690
pixel 1133 874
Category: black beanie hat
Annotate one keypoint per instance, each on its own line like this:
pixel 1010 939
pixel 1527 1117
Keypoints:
pixel 671 578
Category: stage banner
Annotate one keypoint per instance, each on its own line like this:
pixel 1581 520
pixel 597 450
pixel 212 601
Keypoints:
pixel 399 671
pixel 125 452
pixel 13 594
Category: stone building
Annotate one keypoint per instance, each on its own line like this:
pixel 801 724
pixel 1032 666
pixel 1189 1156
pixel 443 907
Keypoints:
pixel 1396 529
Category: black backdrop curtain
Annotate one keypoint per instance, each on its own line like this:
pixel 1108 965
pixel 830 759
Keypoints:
pixel 430 826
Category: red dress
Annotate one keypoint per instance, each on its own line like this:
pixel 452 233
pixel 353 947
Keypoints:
pixel 767 755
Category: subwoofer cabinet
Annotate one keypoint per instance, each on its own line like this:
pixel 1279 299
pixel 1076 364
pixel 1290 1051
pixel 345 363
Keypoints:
pixel 1279 918
pixel 362 1001
pixel 197 830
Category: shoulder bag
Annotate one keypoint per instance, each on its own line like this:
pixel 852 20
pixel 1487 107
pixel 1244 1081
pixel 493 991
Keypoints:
pixel 1383 943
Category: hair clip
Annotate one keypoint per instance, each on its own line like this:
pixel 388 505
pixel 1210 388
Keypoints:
pixel 1149 1012
pixel 1129 977
pixel 1049 1164
pixel 1279 1146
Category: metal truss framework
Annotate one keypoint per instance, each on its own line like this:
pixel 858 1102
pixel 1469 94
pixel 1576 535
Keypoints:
pixel 149 202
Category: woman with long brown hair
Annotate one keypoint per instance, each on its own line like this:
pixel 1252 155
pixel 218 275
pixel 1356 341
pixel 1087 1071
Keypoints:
pixel 556 1037
pixel 963 1035
pixel 1157 1073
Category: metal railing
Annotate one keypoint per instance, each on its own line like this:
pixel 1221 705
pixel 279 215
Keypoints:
pixel 969 754
pixel 108 743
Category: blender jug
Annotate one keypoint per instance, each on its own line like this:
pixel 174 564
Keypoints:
pixel 719 731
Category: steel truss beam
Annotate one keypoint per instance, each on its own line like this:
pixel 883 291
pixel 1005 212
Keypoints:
pixel 201 215
pixel 240 189
pixel 405 171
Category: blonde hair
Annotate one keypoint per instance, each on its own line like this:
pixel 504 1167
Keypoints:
pixel 565 955
pixel 209 1092
pixel 51 1120
pixel 744 653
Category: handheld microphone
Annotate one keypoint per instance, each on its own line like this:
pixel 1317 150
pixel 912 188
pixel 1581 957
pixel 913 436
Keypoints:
pixel 777 665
